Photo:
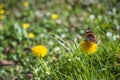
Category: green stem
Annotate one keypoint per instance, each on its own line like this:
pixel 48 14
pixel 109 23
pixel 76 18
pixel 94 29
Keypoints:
pixel 45 66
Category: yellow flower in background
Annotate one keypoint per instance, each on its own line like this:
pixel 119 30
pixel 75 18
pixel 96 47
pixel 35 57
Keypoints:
pixel 89 45
pixel 25 4
pixel 26 25
pixel 39 51
pixel 1 6
pixel 31 35
pixel 1 17
pixel 54 16
pixel 2 11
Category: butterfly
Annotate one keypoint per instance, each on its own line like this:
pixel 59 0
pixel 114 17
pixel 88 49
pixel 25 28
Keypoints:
pixel 90 36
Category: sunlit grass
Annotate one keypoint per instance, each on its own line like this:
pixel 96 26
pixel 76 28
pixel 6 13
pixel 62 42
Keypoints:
pixel 60 26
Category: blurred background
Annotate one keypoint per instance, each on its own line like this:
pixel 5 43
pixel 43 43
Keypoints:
pixel 26 23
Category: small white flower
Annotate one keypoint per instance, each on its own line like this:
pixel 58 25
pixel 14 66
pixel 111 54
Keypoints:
pixel 38 13
pixel 59 21
pixel 47 14
pixel 109 34
pixel 56 49
pixel 78 58
pixel 114 37
pixel 99 17
pixel 118 27
pixel 82 31
pixel 69 59
pixel 92 16
pixel 63 36
pixel 42 35
pixel 51 43
pixel 118 36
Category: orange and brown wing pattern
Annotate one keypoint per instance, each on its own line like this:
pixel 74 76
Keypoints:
pixel 90 36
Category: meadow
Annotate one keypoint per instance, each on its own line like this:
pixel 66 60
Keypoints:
pixel 60 26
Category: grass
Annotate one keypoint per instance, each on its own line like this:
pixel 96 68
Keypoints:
pixel 62 37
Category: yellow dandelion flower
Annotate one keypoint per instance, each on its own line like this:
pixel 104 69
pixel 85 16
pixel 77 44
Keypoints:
pixel 31 35
pixel 26 25
pixel 1 17
pixel 2 11
pixel 39 51
pixel 54 16
pixel 25 4
pixel 1 6
pixel 88 47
